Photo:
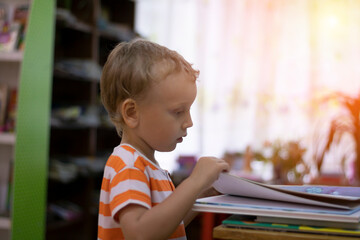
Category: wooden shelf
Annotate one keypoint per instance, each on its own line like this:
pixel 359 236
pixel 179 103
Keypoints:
pixel 7 138
pixel 11 56
pixel 5 223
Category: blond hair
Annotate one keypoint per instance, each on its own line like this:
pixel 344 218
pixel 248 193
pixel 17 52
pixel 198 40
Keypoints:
pixel 131 68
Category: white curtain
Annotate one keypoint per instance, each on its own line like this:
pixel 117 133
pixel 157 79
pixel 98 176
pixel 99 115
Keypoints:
pixel 264 65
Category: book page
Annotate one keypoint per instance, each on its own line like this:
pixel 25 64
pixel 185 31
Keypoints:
pixel 340 192
pixel 233 185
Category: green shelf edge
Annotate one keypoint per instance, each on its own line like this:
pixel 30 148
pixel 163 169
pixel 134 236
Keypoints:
pixel 32 125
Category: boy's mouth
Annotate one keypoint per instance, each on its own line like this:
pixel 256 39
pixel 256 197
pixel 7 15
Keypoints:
pixel 180 139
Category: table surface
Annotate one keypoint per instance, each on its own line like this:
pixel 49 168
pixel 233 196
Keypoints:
pixel 222 232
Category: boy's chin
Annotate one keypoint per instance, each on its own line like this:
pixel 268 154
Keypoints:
pixel 167 149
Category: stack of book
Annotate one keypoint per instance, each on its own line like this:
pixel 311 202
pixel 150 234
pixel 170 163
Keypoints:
pixel 321 209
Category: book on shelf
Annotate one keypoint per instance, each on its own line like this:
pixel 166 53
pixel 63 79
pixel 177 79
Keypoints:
pixel 6 190
pixel 251 222
pixel 13 23
pixel 243 196
pixel 3 102
pixel 11 110
pixel 9 198
pixel 3 197
pixel 8 106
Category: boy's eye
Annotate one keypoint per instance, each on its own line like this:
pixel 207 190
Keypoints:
pixel 178 112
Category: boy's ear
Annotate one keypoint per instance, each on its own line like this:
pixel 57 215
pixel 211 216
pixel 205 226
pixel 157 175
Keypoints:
pixel 129 111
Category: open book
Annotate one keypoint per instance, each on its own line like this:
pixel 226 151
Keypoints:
pixel 243 196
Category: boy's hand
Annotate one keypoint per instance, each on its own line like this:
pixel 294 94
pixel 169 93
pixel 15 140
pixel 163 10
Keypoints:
pixel 207 170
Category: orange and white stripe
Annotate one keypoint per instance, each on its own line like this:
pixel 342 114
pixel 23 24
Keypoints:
pixel 130 178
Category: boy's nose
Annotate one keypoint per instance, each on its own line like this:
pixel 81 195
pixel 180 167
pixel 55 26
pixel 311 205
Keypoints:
pixel 188 122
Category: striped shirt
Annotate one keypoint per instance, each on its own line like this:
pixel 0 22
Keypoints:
pixel 131 178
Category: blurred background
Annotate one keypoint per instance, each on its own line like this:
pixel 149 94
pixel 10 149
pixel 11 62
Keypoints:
pixel 278 94
pixel 273 74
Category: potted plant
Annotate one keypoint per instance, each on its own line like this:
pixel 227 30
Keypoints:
pixel 346 122
pixel 287 160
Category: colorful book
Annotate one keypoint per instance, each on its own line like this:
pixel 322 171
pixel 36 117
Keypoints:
pixel 309 222
pixel 240 221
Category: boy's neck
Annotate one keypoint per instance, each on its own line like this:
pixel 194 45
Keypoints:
pixel 139 145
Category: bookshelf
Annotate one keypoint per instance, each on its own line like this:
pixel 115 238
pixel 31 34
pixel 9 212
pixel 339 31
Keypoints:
pixel 32 120
pixel 10 66
pixel 81 136
pixel 34 144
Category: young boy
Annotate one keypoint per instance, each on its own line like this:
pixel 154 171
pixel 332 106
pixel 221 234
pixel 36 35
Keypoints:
pixel 148 90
